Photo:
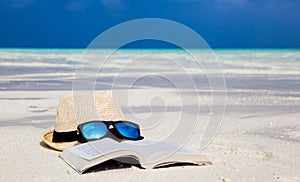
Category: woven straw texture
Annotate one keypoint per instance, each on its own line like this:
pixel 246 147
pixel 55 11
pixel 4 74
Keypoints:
pixel 75 109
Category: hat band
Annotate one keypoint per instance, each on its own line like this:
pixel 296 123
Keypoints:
pixel 68 136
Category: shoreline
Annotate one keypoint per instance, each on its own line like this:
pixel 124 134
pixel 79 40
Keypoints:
pixel 259 137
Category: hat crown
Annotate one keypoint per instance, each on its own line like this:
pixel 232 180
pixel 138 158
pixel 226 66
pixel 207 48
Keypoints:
pixel 79 108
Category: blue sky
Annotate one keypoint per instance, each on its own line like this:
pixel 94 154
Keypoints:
pixel 222 23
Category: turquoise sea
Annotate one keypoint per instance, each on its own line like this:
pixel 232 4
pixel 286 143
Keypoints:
pixel 53 69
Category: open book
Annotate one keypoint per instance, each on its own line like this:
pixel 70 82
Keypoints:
pixel 149 154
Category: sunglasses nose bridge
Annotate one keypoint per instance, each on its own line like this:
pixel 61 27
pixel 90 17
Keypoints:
pixel 110 126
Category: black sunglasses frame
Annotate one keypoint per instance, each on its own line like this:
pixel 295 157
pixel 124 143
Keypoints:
pixel 110 133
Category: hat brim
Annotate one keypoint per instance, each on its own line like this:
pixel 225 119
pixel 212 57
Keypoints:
pixel 60 146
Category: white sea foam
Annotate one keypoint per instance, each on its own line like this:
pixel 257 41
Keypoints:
pixel 28 63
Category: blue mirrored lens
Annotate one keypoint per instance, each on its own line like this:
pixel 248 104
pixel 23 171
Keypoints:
pixel 94 130
pixel 128 130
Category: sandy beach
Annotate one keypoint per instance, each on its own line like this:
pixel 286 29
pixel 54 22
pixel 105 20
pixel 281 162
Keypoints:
pixel 259 139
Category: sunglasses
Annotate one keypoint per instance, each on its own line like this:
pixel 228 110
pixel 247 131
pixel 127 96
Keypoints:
pixel 118 130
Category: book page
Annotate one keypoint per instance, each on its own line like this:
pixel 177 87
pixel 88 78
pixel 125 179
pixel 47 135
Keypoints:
pixel 148 149
pixel 152 151
pixel 91 150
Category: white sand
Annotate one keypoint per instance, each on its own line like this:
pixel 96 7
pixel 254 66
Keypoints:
pixel 258 143
pixel 259 139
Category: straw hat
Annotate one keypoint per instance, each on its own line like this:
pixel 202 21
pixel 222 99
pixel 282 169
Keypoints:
pixel 75 109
